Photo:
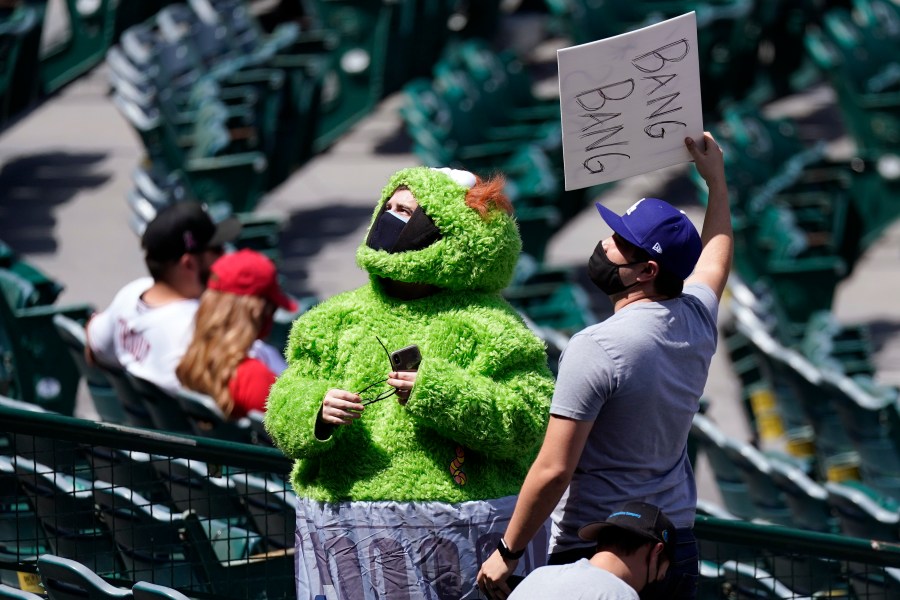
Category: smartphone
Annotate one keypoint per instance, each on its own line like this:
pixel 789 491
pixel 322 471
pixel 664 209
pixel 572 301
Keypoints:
pixel 406 359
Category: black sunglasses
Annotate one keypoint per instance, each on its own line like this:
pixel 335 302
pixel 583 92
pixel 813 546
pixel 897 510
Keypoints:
pixel 382 395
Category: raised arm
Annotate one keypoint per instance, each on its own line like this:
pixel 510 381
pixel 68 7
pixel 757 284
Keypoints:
pixel 714 264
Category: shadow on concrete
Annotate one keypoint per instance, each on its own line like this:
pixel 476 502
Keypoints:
pixel 398 142
pixel 32 186
pixel 307 232
pixel 882 333
pixel 680 191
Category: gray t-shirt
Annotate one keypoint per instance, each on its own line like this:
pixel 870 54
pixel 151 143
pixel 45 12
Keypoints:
pixel 578 581
pixel 639 376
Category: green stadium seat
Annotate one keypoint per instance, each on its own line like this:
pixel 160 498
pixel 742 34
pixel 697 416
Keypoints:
pixel 863 513
pixel 103 394
pixel 272 508
pixel 10 593
pixel 66 579
pixel 207 420
pixel 710 442
pixel 129 469
pixel 184 551
pixel 162 406
pixel 43 372
pixel 864 409
pixel 21 536
pixel 752 581
pixel 90 34
pixel 148 538
pixel 20 33
pixel 806 498
pixel 796 383
pixel 194 486
pixel 64 506
pixel 144 590
pixel 550 297
pixel 860 62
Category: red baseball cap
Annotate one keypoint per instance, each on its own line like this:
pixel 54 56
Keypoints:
pixel 249 273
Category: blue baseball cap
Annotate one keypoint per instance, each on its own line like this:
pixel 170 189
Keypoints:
pixel 661 230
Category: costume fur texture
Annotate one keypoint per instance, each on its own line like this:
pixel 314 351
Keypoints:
pixel 480 404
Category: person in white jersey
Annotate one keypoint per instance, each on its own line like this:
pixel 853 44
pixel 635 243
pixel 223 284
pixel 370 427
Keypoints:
pixel 628 387
pixel 150 322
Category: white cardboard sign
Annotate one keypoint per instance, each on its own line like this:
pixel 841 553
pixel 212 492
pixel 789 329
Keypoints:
pixel 628 102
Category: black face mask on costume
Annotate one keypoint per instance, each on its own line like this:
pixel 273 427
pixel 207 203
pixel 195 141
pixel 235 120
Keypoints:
pixel 392 235
pixel 605 273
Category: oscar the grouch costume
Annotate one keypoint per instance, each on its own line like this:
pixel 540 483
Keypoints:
pixel 407 501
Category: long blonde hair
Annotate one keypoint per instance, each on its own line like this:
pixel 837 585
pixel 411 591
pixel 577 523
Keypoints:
pixel 226 326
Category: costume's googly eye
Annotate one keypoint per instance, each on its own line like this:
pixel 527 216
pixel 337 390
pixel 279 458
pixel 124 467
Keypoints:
pixel 463 178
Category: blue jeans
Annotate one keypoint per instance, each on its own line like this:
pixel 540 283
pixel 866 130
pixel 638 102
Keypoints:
pixel 684 572
pixel 681 578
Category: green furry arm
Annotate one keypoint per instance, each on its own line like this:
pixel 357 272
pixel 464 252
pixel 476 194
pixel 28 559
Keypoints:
pixel 499 404
pixel 296 397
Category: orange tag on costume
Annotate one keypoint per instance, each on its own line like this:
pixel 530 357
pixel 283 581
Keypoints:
pixel 459 476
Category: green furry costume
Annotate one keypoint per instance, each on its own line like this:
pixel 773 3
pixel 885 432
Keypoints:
pixel 479 408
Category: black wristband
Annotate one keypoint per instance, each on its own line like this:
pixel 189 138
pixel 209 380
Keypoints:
pixel 506 553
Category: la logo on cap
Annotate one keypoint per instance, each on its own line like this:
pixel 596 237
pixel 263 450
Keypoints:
pixel 657 248
pixel 634 206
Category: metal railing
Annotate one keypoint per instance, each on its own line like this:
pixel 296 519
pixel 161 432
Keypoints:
pixel 216 519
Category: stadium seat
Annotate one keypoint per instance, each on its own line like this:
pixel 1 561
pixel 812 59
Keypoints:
pixel 21 536
pixel 129 469
pixel 10 593
pixel 147 537
pixel 206 418
pixel 711 442
pixel 91 29
pixel 796 383
pixel 162 406
pixel 751 581
pixel 66 579
pixel 136 413
pixel 102 392
pixel 272 508
pixel 861 512
pixel 43 372
pixel 143 590
pixel 865 410
pixel 183 551
pixel 18 60
pixel 196 487
pixel 807 499
pixel 64 506
pixel 258 428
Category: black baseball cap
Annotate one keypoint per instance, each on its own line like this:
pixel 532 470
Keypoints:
pixel 640 518
pixel 186 227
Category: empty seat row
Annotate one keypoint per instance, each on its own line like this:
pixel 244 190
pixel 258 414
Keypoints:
pixel 201 526
pixel 66 579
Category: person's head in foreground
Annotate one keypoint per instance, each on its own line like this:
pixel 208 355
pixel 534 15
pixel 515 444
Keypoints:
pixel 236 309
pixel 641 537
pixel 653 249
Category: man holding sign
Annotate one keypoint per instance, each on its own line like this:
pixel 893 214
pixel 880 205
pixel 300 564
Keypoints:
pixel 628 387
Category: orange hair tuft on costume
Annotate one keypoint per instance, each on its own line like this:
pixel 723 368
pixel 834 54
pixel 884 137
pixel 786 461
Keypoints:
pixel 488 194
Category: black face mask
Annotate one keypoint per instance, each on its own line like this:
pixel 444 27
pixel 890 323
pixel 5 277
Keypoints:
pixel 393 235
pixel 605 273
pixel 658 589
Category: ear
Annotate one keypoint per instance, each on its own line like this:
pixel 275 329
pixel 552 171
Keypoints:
pixel 189 261
pixel 650 271
pixel 659 562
